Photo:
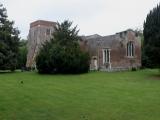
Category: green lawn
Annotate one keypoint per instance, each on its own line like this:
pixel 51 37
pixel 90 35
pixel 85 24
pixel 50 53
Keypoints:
pixel 92 96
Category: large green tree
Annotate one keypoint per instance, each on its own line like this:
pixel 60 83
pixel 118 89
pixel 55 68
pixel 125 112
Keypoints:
pixel 22 54
pixel 8 42
pixel 62 54
pixel 152 38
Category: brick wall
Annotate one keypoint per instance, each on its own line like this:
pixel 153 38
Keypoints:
pixel 118 50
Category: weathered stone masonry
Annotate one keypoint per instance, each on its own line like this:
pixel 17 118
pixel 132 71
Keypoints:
pixel 121 51
pixel 40 31
pixel 115 48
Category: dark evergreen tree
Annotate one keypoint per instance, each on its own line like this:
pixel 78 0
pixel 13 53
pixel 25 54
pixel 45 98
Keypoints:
pixel 8 42
pixel 62 54
pixel 22 54
pixel 152 38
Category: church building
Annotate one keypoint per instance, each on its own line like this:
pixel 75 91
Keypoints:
pixel 121 51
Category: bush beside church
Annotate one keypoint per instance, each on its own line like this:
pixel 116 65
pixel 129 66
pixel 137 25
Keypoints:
pixel 62 54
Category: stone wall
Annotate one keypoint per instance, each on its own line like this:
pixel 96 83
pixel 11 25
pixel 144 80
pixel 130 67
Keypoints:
pixel 117 44
pixel 40 31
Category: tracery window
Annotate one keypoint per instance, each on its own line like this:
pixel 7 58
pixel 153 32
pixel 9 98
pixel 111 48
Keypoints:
pixel 130 49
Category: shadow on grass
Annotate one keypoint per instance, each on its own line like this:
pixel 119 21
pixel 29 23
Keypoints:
pixel 7 72
pixel 155 77
pixel 62 74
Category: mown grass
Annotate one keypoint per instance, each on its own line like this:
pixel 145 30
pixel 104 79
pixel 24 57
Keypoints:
pixel 92 96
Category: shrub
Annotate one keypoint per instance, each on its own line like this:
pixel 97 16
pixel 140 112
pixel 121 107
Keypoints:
pixel 62 54
pixel 134 69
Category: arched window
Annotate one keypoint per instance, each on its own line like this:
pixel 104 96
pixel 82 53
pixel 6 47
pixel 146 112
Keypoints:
pixel 130 49
pixel 106 56
pixel 48 32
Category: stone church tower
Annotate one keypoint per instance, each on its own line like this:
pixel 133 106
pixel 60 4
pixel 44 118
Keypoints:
pixel 40 31
pixel 121 51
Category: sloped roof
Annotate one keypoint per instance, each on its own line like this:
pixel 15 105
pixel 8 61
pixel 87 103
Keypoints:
pixel 105 41
pixel 94 41
pixel 92 36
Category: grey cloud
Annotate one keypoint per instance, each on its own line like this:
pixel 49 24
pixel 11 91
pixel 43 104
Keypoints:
pixel 92 16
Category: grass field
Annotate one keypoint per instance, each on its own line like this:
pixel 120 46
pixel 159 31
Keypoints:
pixel 92 96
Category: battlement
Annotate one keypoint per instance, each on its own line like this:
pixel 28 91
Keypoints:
pixel 42 22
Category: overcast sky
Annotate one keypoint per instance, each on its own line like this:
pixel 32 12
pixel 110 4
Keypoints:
pixel 103 17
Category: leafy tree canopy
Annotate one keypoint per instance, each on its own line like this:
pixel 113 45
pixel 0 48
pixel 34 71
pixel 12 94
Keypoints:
pixel 8 42
pixel 62 54
pixel 22 54
pixel 152 38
